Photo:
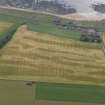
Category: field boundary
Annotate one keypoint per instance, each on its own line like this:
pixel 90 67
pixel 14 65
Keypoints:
pixel 45 79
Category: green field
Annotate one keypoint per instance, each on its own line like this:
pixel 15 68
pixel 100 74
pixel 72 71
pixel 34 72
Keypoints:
pixel 73 93
pixel 18 93
pixel 44 23
pixel 38 22
pixel 1 33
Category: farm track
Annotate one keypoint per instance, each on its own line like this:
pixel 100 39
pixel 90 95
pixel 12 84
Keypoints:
pixel 39 54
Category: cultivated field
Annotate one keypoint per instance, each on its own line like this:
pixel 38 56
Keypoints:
pixel 4 26
pixel 18 93
pixel 70 93
pixel 41 57
pixel 38 22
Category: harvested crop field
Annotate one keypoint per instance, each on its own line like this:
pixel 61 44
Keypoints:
pixel 16 93
pixel 42 57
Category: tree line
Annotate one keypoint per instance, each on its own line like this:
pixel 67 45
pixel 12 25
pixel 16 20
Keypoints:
pixel 8 34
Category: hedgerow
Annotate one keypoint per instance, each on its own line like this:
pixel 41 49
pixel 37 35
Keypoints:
pixel 8 34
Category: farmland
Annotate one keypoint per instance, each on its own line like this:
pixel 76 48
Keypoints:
pixel 18 93
pixel 69 92
pixel 4 26
pixel 42 52
pixel 42 57
pixel 38 22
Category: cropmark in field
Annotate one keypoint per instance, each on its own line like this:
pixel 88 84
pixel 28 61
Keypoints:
pixel 42 57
